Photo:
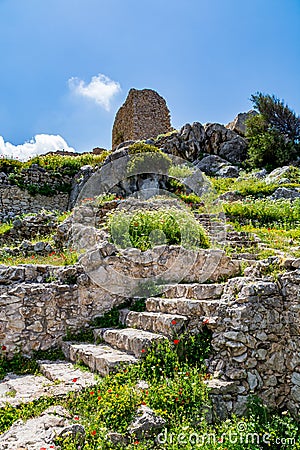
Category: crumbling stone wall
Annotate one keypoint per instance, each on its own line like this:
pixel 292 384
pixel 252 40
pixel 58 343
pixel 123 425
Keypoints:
pixel 256 343
pixel 15 201
pixel 143 115
pixel 40 303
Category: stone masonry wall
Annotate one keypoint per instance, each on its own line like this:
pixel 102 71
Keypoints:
pixel 256 342
pixel 143 115
pixel 39 304
pixel 15 201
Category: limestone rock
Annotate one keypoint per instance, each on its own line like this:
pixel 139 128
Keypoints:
pixel 285 193
pixel 239 122
pixel 215 166
pixel 225 143
pixel 145 422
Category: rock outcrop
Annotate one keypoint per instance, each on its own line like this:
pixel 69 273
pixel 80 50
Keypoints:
pixel 238 125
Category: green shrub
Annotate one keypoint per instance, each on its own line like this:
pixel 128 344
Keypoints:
pixel 265 212
pixel 245 187
pixel 4 227
pixel 181 171
pixel 145 229
pixel 273 134
pixel 145 158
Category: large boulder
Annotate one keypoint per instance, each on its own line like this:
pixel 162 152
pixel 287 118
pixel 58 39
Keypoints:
pixel 285 193
pixel 225 143
pixel 188 143
pixel 238 125
pixel 213 165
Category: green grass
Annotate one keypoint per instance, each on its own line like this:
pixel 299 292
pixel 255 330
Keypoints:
pixel 145 229
pixel 4 227
pixel 265 213
pixel 176 391
pixel 62 258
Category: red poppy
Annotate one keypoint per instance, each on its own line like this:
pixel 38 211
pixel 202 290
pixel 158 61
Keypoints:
pixel 43 448
pixel 136 442
pixel 143 403
pixel 76 418
pixel 109 391
pixel 92 393
pixel 143 350
pixel 99 398
pixel 74 380
pixel 176 399
pixel 173 322
pixel 3 348
pixel 93 432
pixel 176 341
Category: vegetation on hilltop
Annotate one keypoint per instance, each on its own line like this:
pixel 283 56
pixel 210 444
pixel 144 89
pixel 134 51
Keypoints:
pixel 273 134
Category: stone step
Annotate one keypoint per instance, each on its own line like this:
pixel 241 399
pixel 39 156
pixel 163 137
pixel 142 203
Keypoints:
pixel 39 432
pixel 131 340
pixel 19 389
pixel 102 358
pixel 66 372
pixel 196 291
pixel 167 324
pixel 184 306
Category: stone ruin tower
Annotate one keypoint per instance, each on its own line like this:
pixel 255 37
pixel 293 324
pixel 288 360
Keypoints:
pixel 144 115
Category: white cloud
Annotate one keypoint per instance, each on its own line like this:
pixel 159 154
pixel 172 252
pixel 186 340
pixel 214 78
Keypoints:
pixel 41 143
pixel 101 89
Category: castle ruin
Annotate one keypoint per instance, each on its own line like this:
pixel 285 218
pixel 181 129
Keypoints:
pixel 143 115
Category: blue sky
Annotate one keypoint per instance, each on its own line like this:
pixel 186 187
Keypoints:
pixel 67 65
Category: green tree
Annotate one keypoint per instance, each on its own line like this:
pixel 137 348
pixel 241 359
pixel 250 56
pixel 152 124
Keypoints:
pixel 273 134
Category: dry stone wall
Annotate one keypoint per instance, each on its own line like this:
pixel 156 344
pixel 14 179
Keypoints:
pixel 143 115
pixel 15 201
pixel 40 303
pixel 256 342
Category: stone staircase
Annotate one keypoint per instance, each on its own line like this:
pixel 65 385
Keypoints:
pixel 184 306
pixel 222 233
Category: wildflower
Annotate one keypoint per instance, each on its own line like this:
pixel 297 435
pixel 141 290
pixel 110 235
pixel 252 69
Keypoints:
pixel 176 341
pixel 143 403
pixel 187 374
pixel 92 393
pixel 74 380
pixel 176 399
pixel 109 391
pixel 136 442
pixel 146 392
pixel 143 350
pixel 3 348
pixel 99 398
pixel 93 432
pixel 205 321
pixel 76 418
pixel 173 322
